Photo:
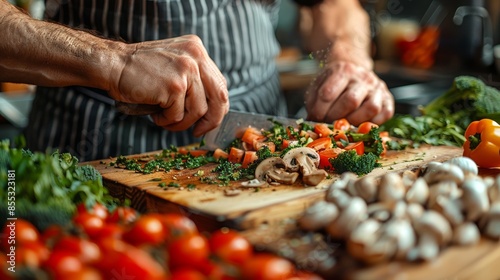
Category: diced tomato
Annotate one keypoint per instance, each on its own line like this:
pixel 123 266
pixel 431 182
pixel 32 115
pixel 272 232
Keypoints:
pixel 342 124
pixel 325 156
pixel 322 129
pixel 365 127
pixel 198 152
pixel 182 150
pixel 251 134
pixel 359 147
pixel 339 135
pixel 220 153
pixel 321 143
pixel 235 155
pixel 259 145
pixel 248 158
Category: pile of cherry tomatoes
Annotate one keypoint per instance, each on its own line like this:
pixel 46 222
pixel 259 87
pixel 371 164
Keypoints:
pixel 122 244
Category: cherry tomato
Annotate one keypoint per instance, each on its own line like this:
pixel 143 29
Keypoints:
pixel 265 266
pixel 86 273
pixel 17 233
pixel 230 246
pixel 147 229
pixel 321 144
pixel 125 261
pixel 32 254
pixel 188 251
pixel 90 223
pixel 123 215
pixel 342 124
pixel 51 234
pixel 177 225
pixel 111 230
pixel 305 275
pixel 365 127
pixel 86 250
pixel 98 209
pixel 61 263
pixel 359 147
pixel 187 274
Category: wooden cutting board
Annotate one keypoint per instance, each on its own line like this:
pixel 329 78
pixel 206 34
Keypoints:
pixel 210 207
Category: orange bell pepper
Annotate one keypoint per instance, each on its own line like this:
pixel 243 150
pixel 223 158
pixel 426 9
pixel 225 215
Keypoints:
pixel 483 143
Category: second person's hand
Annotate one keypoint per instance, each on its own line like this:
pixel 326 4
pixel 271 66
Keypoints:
pixel 346 90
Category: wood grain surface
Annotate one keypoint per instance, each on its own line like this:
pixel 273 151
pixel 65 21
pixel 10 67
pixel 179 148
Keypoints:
pixel 266 205
pixel 267 218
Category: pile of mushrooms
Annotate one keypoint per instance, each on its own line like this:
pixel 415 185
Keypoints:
pixel 411 215
pixel 298 162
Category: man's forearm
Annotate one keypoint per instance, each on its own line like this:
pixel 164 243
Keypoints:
pixel 42 53
pixel 341 31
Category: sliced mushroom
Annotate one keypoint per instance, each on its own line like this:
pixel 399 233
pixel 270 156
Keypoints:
pixel 254 183
pixel 293 157
pixel 273 169
pixel 318 216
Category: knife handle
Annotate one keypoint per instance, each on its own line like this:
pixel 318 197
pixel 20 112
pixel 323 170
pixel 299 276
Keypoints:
pixel 137 109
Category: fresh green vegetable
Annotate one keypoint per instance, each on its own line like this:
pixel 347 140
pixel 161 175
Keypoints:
pixel 444 119
pixel 350 161
pixel 50 184
pixel 467 100
pixel 372 141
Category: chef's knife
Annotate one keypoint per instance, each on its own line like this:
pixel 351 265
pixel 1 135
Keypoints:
pixel 233 125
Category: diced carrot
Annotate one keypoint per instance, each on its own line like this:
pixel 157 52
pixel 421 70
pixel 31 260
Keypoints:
pixel 359 147
pixel 198 152
pixel 235 155
pixel 365 127
pixel 249 157
pixel 259 145
pixel 321 143
pixel 325 156
pixel 342 124
pixel 251 134
pixel 322 130
pixel 220 153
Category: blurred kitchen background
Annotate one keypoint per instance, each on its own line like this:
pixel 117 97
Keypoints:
pixel 418 47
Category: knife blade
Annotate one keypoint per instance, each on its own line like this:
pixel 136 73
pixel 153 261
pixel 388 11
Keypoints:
pixel 232 126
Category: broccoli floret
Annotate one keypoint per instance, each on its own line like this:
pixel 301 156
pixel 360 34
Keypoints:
pixel 86 173
pixel 350 161
pixel 372 141
pixel 467 100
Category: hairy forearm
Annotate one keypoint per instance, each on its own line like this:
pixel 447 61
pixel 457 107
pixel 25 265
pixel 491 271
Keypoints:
pixel 340 31
pixel 48 54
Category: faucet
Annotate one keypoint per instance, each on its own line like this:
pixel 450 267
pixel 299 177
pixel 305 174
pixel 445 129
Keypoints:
pixel 487 49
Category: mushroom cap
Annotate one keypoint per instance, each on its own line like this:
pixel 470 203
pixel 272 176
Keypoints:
pixel 290 157
pixel 266 165
pixel 436 225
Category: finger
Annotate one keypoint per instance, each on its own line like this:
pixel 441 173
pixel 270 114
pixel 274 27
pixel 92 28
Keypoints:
pixel 217 98
pixel 324 93
pixel 349 102
pixel 173 111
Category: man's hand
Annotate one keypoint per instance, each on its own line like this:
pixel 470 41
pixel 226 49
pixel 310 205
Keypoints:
pixel 178 75
pixel 346 90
